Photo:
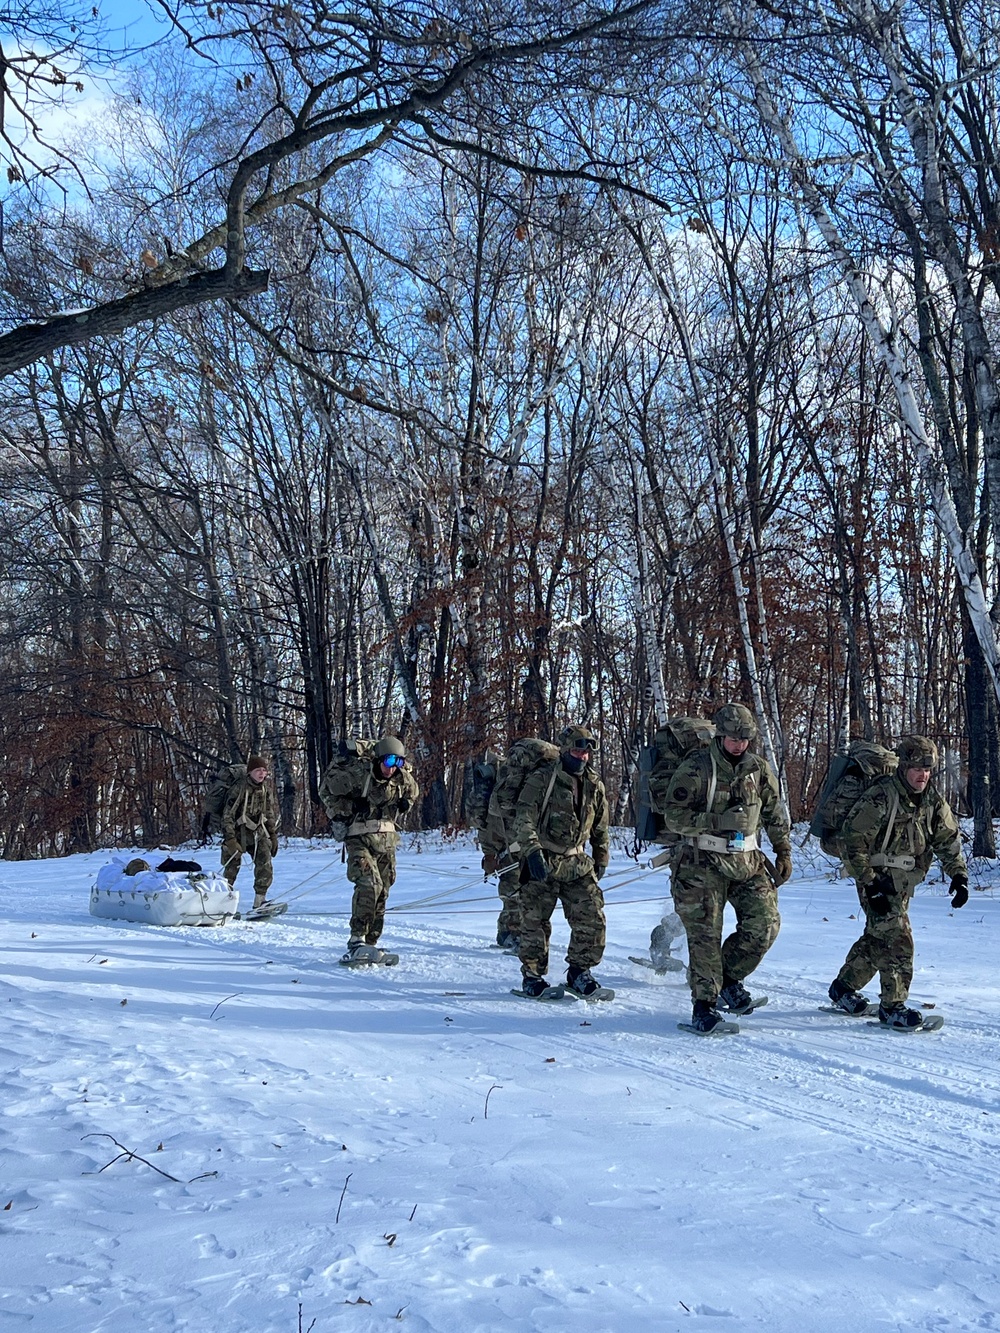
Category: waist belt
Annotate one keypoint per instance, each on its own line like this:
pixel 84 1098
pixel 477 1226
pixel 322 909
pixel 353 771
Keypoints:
pixel 880 861
pixel 371 826
pixel 710 842
pixel 578 850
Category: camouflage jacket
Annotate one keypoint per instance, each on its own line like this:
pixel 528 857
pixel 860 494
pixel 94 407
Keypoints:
pixel 355 791
pixel 559 812
pixel 922 827
pixel 713 792
pixel 492 835
pixel 249 806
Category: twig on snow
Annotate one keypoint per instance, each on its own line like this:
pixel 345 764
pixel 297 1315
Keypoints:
pixel 129 1155
pixel 223 1001
pixel 342 1193
pixel 497 1087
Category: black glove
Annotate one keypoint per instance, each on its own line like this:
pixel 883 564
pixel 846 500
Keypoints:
pixel 878 893
pixel 274 845
pixel 490 860
pixel 338 829
pixel 782 866
pixel 538 867
pixel 404 805
pixel 959 889
pixel 600 869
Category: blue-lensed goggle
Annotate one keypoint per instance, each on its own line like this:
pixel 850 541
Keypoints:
pixel 394 760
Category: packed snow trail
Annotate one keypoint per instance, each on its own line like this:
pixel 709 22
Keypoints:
pixel 496 1165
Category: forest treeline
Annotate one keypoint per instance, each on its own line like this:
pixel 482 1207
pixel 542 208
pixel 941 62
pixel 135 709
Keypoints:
pixel 596 361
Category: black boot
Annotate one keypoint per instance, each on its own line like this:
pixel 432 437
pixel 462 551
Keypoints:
pixel 578 979
pixel 898 1016
pixel 736 998
pixel 842 997
pixel 705 1017
pixel 534 986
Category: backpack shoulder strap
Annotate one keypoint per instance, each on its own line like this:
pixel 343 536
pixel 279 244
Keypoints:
pixel 548 792
pixel 713 781
pixel 893 811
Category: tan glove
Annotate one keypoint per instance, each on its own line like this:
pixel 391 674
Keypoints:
pixel 782 866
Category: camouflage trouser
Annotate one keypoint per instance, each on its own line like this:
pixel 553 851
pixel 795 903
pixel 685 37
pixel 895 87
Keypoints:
pixel 583 904
pixel 886 947
pixel 259 849
pixel 509 889
pixel 371 868
pixel 700 895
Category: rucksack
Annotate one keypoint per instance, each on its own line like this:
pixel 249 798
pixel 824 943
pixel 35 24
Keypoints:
pixel 520 761
pixel 349 753
pixel 477 800
pixel 215 798
pixel 658 763
pixel 849 776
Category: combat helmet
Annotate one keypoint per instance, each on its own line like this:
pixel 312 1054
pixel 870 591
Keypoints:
pixel 917 752
pixel 735 721
pixel 390 745
pixel 577 736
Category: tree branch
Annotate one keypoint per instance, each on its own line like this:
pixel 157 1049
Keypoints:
pixel 26 344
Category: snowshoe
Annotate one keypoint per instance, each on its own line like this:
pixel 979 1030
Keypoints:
pixel 368 955
pixel 898 1018
pixel 706 1021
pixel 266 911
pixel 661 968
pixel 537 988
pixel 848 1001
pixel 869 1011
pixel 736 999
pixel 581 984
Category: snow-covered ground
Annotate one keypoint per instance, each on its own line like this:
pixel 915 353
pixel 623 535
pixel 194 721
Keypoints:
pixel 336 1165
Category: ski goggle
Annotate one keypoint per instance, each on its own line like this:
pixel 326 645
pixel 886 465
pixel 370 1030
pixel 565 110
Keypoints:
pixel 393 760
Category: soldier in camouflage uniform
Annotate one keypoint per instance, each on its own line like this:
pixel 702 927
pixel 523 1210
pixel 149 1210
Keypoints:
pixel 889 838
pixel 717 803
pixel 250 824
pixel 562 806
pixel 493 843
pixel 366 796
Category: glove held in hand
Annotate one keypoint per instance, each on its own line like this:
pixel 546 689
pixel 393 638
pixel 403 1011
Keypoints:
pixel 538 868
pixel 878 894
pixel 959 890
pixel 782 866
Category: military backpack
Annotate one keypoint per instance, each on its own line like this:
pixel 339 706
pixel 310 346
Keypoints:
pixel 658 763
pixel 214 803
pixel 342 807
pixel 521 760
pixel 477 798
pixel 848 778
